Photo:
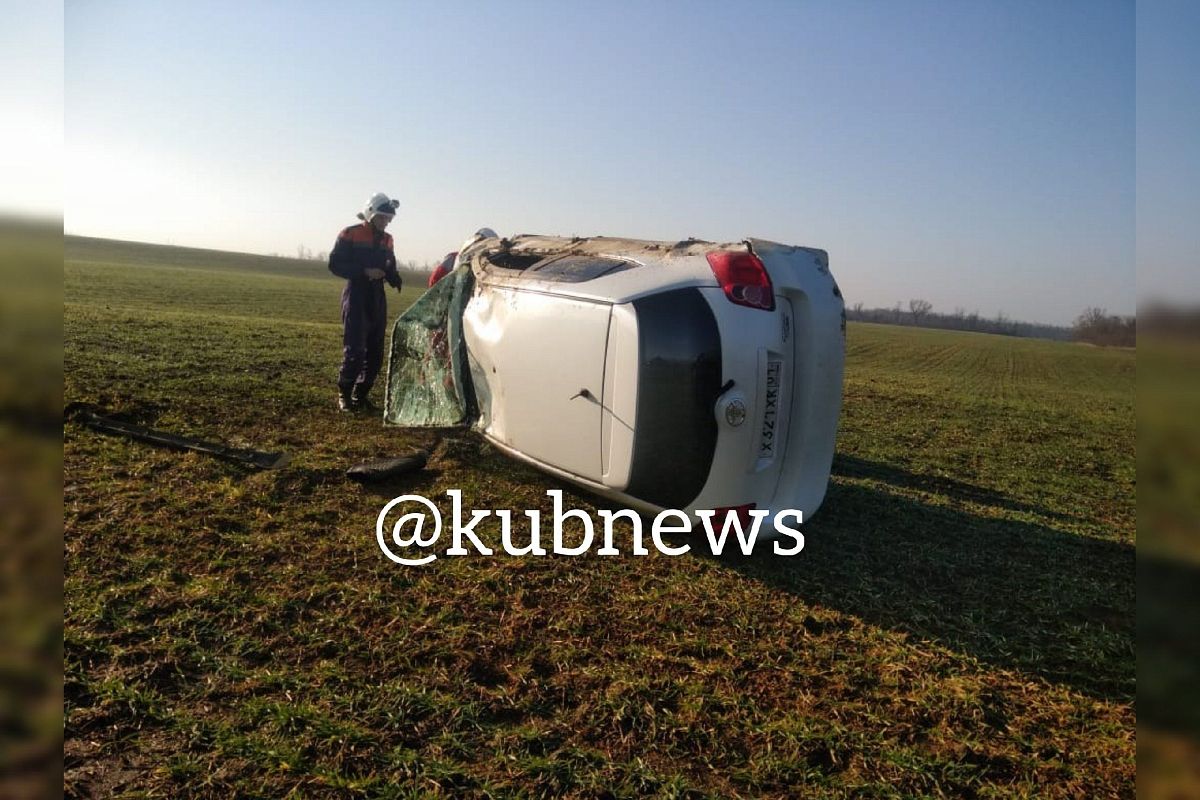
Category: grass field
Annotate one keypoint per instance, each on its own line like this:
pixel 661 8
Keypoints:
pixel 31 256
pixel 960 623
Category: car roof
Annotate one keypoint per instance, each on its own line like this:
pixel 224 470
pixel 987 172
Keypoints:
pixel 670 264
pixel 611 245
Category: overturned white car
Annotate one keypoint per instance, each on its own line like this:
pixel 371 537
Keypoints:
pixel 686 375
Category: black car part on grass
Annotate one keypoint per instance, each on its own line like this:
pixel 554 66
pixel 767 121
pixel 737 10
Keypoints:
pixel 88 416
pixel 381 469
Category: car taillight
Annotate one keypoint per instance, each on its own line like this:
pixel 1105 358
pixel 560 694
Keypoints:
pixel 743 278
pixel 741 512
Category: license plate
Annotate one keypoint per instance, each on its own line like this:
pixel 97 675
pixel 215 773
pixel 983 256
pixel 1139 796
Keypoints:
pixel 767 442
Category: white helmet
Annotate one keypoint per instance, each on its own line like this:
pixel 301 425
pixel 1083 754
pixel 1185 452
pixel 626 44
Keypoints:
pixel 481 235
pixel 379 203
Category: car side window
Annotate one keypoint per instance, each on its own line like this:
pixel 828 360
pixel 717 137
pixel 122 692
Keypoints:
pixel 560 268
pixel 506 259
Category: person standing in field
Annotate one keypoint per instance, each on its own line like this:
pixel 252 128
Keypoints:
pixel 363 255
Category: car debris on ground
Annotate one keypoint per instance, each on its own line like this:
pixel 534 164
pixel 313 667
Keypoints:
pixel 90 417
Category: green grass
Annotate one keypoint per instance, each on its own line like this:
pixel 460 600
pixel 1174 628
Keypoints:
pixel 959 624
pixel 30 508
pixel 1168 565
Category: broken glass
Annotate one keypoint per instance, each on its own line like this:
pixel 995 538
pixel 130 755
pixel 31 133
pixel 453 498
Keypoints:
pixel 428 383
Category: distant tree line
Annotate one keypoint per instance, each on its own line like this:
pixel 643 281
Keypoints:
pixel 1097 326
pixel 1175 322
pixel 920 313
pixel 305 254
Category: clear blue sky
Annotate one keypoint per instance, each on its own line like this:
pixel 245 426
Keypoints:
pixel 977 154
pixel 1168 151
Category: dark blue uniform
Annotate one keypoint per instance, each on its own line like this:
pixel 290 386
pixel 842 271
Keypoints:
pixel 364 306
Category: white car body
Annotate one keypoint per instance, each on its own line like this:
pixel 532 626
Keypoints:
pixel 645 382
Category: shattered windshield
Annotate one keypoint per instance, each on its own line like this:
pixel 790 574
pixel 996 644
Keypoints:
pixel 427 381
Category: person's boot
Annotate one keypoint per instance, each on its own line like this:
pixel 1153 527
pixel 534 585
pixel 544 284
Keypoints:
pixel 345 400
pixel 361 400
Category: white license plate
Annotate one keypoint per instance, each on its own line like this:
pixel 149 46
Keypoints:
pixel 767 441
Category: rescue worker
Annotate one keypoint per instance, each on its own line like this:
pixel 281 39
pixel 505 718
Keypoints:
pixel 447 266
pixel 443 269
pixel 363 255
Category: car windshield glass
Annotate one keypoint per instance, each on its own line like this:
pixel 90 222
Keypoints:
pixel 427 382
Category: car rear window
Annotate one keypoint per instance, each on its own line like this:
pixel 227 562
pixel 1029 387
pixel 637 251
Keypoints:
pixel 679 380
